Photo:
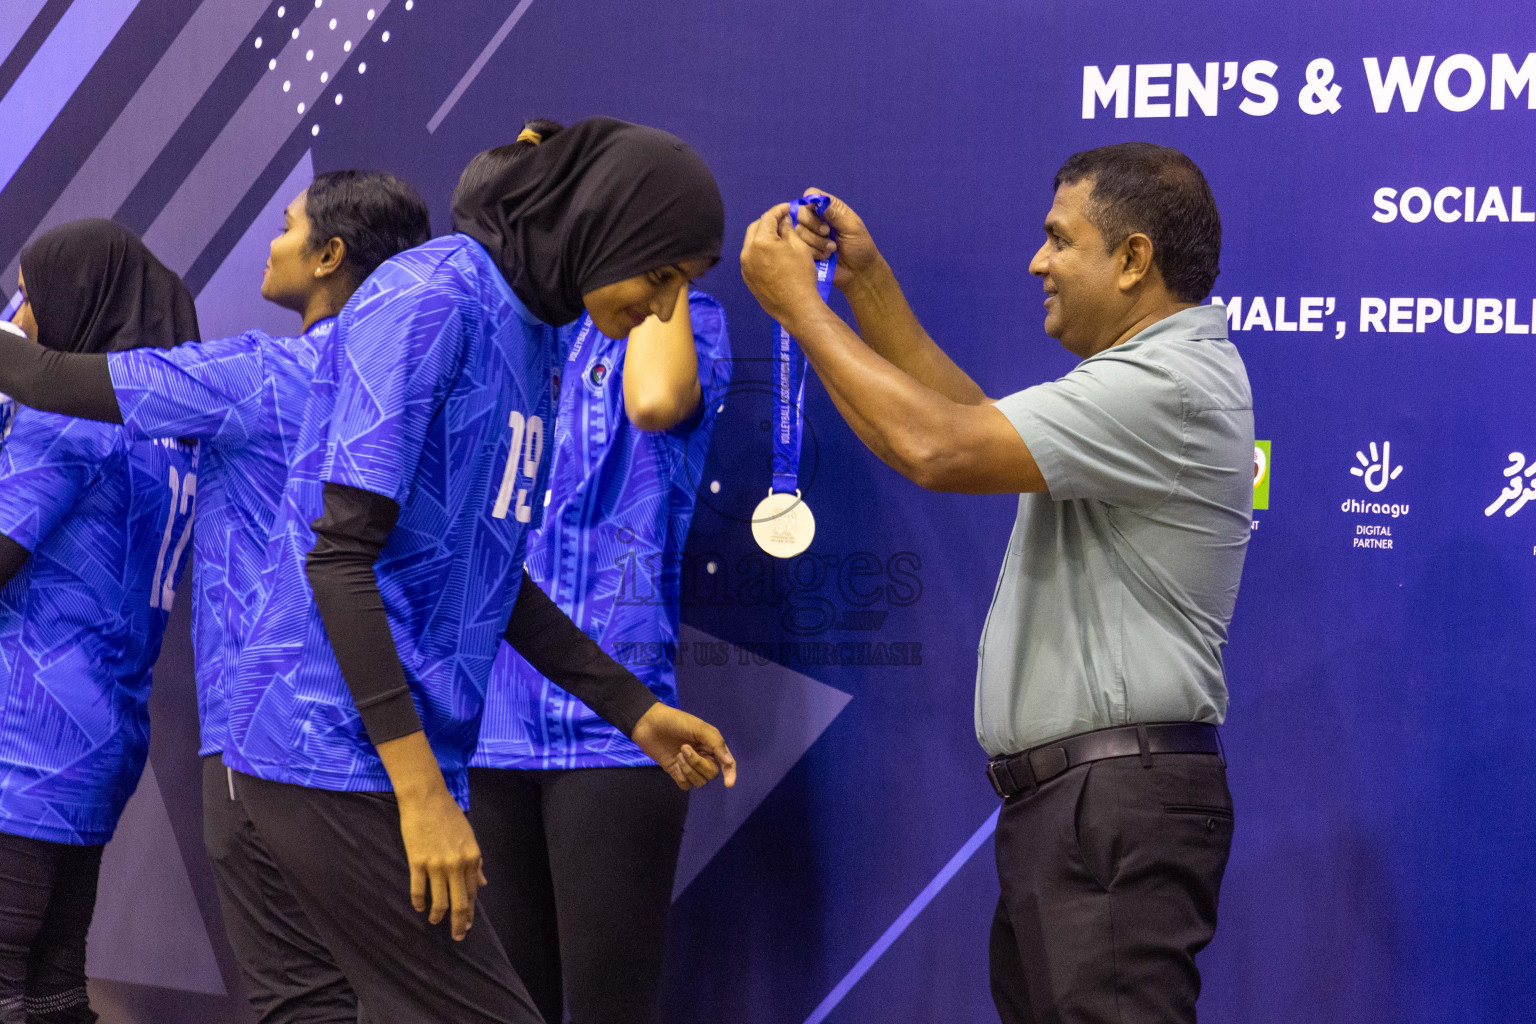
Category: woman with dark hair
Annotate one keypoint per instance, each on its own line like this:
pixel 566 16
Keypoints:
pixel 241 399
pixel 396 560
pixel 93 527
pixel 580 829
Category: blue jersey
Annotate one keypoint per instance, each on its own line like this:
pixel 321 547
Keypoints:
pixel 242 399
pixel 610 550
pixel 107 520
pixel 435 392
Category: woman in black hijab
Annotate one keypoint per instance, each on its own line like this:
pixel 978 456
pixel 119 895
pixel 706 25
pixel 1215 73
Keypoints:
pixel 603 215
pixel 92 531
pixel 442 359
pixel 94 287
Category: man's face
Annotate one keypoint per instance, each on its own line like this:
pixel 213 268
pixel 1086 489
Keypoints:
pixel 1083 302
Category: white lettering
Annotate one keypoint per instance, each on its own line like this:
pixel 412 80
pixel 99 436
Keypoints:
pixel 1097 90
pixel 1516 214
pixel 1451 324
pixel 1148 90
pixel 1401 310
pixel 1187 86
pixel 1490 316
pixel 1281 323
pixel 1386 209
pixel 1312 314
pixel 1505 76
pixel 1372 314
pixel 1397 81
pixel 1441 213
pixel 1493 206
pixel 1510 325
pixel 1426 312
pixel 1263 97
pixel 1474 70
pixel 1419 196
pixel 1258 313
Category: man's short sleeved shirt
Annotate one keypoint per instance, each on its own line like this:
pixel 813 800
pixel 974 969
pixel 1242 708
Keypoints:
pixel 610 550
pixel 242 399
pixel 1118 586
pixel 107 520
pixel 435 392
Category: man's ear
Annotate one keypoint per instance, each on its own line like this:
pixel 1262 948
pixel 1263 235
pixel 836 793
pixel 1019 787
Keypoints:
pixel 1135 258
pixel 333 256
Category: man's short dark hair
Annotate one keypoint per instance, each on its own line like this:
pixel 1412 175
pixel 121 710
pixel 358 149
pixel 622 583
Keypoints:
pixel 375 213
pixel 1159 192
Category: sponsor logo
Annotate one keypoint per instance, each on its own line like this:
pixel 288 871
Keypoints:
pixel 1520 486
pixel 1377 471
pixel 1260 475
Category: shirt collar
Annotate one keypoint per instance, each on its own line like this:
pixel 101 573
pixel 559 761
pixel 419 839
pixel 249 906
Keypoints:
pixel 1197 323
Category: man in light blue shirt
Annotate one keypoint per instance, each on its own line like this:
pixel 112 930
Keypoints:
pixel 1099 678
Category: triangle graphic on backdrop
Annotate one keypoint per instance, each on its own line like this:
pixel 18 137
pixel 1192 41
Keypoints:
pixel 231 303
pixel 770 715
pixel 148 929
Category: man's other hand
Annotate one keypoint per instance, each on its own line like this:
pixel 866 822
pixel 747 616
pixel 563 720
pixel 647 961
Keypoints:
pixel 856 252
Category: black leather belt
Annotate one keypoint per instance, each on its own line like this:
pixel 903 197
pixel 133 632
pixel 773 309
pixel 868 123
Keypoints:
pixel 1021 773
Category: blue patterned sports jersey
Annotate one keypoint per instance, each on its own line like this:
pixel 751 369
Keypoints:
pixel 242 399
pixel 610 550
pixel 435 391
pixel 107 520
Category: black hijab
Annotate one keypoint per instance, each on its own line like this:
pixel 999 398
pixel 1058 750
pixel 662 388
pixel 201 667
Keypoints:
pixel 601 201
pixel 94 287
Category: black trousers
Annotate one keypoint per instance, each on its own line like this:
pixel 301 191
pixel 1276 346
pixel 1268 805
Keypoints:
pixel 343 862
pixel 581 864
pixel 47 897
pixel 289 975
pixel 1110 874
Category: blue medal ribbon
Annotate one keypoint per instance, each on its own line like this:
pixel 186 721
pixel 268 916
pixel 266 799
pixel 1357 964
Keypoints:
pixel 789 372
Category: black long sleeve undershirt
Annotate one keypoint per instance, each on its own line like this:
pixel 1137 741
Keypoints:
pixel 72 383
pixel 349 536
pixel 12 557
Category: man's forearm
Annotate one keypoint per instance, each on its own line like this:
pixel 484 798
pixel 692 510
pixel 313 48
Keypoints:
pixel 888 325
pixel 898 417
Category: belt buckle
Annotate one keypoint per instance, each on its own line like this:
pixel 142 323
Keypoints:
pixel 998 768
pixel 992 777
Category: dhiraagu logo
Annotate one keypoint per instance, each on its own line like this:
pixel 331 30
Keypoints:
pixel 1260 476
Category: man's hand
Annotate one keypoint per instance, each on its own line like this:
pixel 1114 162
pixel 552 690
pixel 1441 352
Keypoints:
pixel 689 748
pixel 439 844
pixel 856 252
pixel 779 267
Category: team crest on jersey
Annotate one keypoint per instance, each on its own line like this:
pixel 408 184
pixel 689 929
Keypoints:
pixel 597 373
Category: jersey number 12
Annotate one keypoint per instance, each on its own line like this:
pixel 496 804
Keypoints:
pixel 183 494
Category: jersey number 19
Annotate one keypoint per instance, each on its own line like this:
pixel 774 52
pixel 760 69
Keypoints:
pixel 527 449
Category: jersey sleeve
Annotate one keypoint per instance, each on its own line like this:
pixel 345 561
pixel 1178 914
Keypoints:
pixel 212 390
pixel 712 344
pixel 1113 429
pixel 397 356
pixel 45 464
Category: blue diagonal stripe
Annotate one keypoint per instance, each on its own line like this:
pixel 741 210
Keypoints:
pixel 901 923
pixel 479 64
pixel 52 77
pixel 18 18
